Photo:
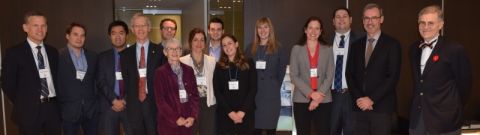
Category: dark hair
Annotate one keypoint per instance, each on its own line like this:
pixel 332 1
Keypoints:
pixel 192 34
pixel 215 20
pixel 74 24
pixel 303 38
pixel 117 23
pixel 33 13
pixel 341 8
pixel 240 60
pixel 168 19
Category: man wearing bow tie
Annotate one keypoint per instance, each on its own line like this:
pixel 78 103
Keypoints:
pixel 441 79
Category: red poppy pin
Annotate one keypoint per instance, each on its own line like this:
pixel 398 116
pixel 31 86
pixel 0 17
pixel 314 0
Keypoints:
pixel 435 58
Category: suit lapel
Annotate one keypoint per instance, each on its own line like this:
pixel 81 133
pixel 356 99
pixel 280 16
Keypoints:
pixel 417 55
pixel 430 63
pixel 361 50
pixel 306 57
pixel 151 56
pixel 376 49
pixel 31 62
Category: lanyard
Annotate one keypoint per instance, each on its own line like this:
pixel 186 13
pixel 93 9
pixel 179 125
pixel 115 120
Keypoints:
pixel 230 73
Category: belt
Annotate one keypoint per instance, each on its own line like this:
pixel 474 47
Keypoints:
pixel 344 90
pixel 48 99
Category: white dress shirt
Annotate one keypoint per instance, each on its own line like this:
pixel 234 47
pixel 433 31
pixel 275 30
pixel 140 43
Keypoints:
pixel 33 46
pixel 341 51
pixel 426 52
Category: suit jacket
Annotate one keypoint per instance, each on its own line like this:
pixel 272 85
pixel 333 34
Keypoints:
pixel 77 97
pixel 440 93
pixel 128 58
pixel 209 66
pixel 379 79
pixel 106 78
pixel 21 81
pixel 300 73
pixel 267 99
pixel 168 101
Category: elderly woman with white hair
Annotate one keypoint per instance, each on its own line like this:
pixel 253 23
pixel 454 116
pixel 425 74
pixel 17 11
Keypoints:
pixel 176 93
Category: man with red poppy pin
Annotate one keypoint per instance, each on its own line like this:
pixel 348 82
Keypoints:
pixel 441 79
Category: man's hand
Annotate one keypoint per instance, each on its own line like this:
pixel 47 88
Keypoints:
pixel 365 103
pixel 118 105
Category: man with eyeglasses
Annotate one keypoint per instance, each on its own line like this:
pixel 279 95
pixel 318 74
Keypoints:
pixel 168 29
pixel 442 78
pixel 138 63
pixel 373 69
pixel 215 31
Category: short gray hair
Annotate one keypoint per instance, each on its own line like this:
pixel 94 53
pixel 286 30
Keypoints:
pixel 371 6
pixel 138 15
pixel 173 41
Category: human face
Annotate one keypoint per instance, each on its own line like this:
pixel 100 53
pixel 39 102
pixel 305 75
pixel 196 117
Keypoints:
pixel 229 47
pixel 173 52
pixel 215 31
pixel 429 25
pixel 76 38
pixel 342 21
pixel 313 30
pixel 263 31
pixel 117 36
pixel 372 21
pixel 36 28
pixel 140 28
pixel 198 43
pixel 169 30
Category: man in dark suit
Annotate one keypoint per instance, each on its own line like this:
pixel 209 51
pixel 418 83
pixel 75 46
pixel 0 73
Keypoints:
pixel 342 114
pixel 110 82
pixel 29 79
pixel 138 63
pixel 373 70
pixel 76 83
pixel 441 79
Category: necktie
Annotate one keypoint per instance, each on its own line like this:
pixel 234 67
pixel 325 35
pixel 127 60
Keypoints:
pixel 141 82
pixel 339 67
pixel 425 44
pixel 43 81
pixel 369 50
pixel 119 83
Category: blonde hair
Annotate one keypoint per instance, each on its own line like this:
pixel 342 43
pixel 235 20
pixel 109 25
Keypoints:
pixel 432 9
pixel 138 15
pixel 272 45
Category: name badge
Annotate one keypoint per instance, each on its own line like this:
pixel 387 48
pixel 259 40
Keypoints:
pixel 313 72
pixel 118 75
pixel 142 72
pixel 233 85
pixel 80 75
pixel 183 95
pixel 261 64
pixel 201 80
pixel 44 73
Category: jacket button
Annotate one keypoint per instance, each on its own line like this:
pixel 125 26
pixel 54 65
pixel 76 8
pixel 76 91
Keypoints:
pixel 421 93
pixel 419 107
pixel 421 81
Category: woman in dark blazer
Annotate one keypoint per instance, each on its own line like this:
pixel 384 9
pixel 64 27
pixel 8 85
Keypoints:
pixel 311 71
pixel 176 94
pixel 270 62
pixel 235 85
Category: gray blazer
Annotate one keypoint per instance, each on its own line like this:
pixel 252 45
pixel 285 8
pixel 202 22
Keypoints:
pixel 300 73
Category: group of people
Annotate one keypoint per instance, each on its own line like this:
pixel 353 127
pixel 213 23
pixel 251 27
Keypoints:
pixel 346 87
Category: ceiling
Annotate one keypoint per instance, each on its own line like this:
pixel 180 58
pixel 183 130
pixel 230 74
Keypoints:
pixel 171 4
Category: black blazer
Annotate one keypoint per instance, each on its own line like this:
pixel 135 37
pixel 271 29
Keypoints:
pixel 21 82
pixel 128 63
pixel 106 78
pixel 77 98
pixel 379 79
pixel 440 93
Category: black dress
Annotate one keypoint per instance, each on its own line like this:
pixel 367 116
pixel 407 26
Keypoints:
pixel 242 99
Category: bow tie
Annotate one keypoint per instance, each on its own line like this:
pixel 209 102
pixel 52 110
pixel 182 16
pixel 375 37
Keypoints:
pixel 425 44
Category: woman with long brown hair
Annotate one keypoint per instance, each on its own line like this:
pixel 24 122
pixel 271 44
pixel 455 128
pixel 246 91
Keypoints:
pixel 235 86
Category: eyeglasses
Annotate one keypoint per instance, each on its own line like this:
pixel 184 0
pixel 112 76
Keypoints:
pixel 169 28
pixel 178 49
pixel 373 18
